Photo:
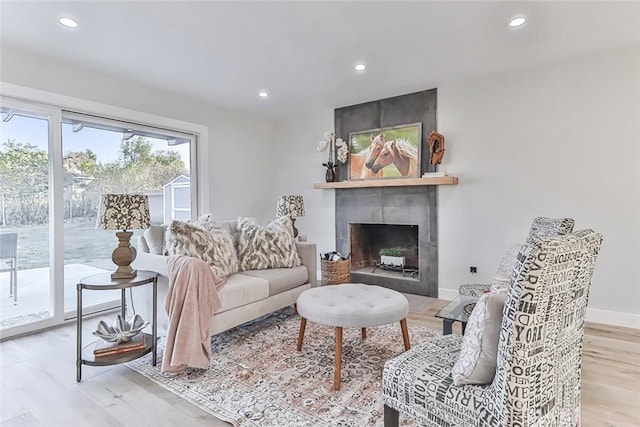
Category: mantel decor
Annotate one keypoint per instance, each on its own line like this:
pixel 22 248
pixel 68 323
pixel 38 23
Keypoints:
pixel 399 182
pixel 436 147
pixel 123 212
pixel 337 150
pixel 389 152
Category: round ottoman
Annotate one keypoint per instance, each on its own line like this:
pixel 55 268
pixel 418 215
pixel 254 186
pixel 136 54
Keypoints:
pixel 352 305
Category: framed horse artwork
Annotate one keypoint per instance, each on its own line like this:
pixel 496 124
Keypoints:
pixel 390 152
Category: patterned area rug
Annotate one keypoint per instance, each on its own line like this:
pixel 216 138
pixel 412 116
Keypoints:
pixel 257 378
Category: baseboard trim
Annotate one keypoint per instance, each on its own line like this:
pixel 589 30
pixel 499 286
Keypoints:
pixel 616 318
pixel 448 294
pixel 594 315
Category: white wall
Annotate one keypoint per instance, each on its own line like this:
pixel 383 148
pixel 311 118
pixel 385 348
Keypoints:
pixel 299 166
pixel 559 140
pixel 562 140
pixel 240 152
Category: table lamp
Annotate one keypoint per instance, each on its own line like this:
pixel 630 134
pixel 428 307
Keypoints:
pixel 291 206
pixel 123 212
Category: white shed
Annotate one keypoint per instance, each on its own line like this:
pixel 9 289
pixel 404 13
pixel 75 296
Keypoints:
pixel 177 199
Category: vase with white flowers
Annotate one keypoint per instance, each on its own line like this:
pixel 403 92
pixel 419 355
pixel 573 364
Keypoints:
pixel 338 152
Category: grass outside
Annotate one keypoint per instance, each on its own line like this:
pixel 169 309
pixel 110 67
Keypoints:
pixel 83 244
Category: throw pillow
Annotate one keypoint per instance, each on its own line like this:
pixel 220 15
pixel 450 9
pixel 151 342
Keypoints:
pixel 154 236
pixel 273 246
pixel 215 247
pixel 208 223
pixel 479 351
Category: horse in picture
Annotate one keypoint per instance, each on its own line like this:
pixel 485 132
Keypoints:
pixel 360 164
pixel 401 153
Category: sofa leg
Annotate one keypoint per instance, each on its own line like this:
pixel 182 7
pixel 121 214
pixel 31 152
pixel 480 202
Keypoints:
pixel 391 417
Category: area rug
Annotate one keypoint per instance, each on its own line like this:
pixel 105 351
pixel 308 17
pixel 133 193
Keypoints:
pixel 257 378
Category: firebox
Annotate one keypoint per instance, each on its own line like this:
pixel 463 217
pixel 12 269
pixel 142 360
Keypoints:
pixel 369 240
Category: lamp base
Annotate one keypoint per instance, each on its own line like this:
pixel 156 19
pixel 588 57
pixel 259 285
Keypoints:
pixel 123 256
pixel 295 230
pixel 124 273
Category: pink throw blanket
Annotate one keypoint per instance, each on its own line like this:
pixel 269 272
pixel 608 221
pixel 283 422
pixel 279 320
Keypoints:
pixel 191 302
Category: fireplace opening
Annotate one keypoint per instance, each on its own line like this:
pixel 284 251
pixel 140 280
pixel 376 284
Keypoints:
pixel 367 240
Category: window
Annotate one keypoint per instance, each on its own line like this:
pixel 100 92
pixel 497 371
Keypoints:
pixel 53 207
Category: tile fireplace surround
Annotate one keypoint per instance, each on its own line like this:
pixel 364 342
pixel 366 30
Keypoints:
pixel 416 206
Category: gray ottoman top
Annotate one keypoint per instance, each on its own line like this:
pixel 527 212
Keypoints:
pixel 352 305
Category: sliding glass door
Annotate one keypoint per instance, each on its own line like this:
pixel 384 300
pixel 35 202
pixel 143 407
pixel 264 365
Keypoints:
pixel 27 237
pixel 103 156
pixel 54 167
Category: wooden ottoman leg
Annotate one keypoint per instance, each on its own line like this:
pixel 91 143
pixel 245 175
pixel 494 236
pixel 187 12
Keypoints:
pixel 405 333
pixel 364 333
pixel 303 324
pixel 336 378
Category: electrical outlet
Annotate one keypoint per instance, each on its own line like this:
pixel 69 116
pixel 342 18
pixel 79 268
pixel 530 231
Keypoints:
pixel 473 270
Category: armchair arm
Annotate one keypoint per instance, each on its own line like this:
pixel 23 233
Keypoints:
pixel 308 256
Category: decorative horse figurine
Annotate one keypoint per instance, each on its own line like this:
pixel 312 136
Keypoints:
pixel 402 154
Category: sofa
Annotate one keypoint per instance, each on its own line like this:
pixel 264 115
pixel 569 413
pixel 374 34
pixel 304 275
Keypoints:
pixel 245 296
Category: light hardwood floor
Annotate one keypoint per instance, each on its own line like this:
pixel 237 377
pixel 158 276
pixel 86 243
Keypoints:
pixel 38 387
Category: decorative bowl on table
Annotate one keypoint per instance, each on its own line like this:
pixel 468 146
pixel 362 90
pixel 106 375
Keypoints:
pixel 468 308
pixel 121 331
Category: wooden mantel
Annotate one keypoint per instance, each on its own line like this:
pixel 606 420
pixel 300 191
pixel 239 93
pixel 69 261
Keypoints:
pixel 390 182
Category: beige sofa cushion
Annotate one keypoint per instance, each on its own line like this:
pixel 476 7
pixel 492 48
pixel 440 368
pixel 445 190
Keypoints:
pixel 281 279
pixel 241 290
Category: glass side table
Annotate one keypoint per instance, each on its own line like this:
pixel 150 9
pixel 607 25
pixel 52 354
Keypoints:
pixel 457 310
pixel 103 282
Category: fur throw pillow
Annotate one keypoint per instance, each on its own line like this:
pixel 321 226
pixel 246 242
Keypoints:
pixel 214 246
pixel 273 246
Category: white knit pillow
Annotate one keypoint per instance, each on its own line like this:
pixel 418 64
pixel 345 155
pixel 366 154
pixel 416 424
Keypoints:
pixel 261 248
pixel 479 352
pixel 215 246
pixel 154 236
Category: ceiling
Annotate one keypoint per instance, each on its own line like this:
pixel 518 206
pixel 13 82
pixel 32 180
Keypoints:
pixel 303 52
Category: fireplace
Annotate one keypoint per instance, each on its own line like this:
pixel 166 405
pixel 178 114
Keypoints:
pixel 368 219
pixel 368 239
pixel 410 212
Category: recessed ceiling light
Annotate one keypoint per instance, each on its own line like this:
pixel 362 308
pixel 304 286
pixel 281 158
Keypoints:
pixel 360 67
pixel 518 21
pixel 68 22
pixel 263 94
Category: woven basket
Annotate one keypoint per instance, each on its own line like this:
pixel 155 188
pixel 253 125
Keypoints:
pixel 335 272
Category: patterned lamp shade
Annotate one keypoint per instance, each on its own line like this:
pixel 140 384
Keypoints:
pixel 292 206
pixel 123 212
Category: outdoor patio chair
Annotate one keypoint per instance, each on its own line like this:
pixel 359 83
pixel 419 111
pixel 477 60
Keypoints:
pixel 541 227
pixel 539 350
pixel 9 261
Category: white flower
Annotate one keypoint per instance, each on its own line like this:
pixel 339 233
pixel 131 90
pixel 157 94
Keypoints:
pixel 342 153
pixel 328 136
pixel 340 143
pixel 322 146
